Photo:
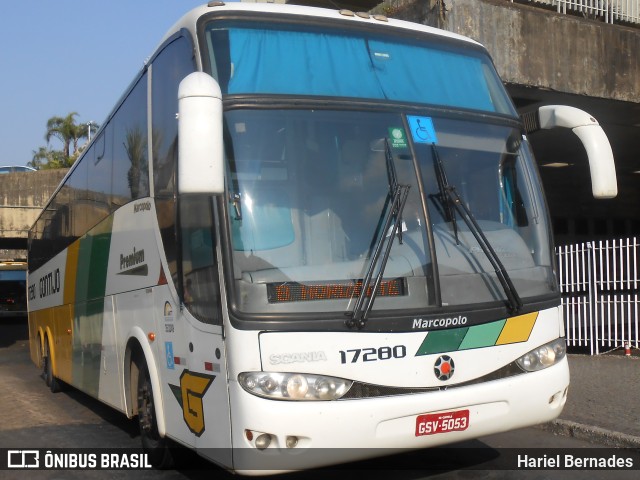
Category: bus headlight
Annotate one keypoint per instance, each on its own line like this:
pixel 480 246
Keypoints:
pixel 294 386
pixel 544 356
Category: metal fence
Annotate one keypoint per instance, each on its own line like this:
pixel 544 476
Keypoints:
pixel 600 288
pixel 609 11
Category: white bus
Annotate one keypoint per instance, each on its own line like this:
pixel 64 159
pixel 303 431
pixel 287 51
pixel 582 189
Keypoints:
pixel 305 237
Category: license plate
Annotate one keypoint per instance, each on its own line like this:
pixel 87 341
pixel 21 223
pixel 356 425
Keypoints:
pixel 433 423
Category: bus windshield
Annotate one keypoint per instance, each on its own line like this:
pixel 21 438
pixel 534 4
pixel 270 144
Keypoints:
pixel 309 190
pixel 309 187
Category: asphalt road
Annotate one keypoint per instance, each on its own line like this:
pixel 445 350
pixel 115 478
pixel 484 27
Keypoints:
pixel 31 417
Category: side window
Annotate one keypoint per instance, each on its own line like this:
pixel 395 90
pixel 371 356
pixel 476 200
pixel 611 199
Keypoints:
pixel 40 247
pixel 60 215
pixel 512 209
pixel 172 64
pixel 99 177
pixel 76 186
pixel 130 153
pixel 170 67
pixel 201 290
pixel 112 172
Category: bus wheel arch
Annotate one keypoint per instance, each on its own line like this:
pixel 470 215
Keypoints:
pixel 138 350
pixel 132 358
pixel 143 398
pixel 50 379
pixel 40 348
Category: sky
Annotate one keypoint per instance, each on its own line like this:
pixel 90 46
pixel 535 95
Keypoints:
pixel 63 56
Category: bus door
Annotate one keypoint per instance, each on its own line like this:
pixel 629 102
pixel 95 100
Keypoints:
pixel 206 409
pixel 204 386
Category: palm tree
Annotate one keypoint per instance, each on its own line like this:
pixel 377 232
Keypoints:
pixel 68 132
pixel 40 158
pixel 64 129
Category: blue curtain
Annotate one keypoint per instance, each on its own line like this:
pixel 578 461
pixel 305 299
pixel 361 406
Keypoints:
pixel 417 74
pixel 286 62
pixel 270 61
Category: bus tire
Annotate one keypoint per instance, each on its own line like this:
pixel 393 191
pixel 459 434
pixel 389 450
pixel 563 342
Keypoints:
pixel 156 448
pixel 47 370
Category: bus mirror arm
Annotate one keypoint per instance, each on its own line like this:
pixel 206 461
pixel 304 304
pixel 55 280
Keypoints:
pixel 595 141
pixel 200 149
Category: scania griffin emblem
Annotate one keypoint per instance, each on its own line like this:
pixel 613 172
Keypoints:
pixel 444 367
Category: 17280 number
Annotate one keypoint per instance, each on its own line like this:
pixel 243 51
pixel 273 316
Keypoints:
pixel 372 354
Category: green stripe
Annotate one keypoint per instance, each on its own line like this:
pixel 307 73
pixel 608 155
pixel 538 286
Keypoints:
pixel 442 341
pixel 93 261
pixel 477 336
pixel 483 335
pixel 91 284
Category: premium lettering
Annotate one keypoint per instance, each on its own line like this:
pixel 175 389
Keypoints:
pixel 131 260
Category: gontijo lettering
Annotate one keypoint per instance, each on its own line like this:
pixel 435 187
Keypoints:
pixel 50 283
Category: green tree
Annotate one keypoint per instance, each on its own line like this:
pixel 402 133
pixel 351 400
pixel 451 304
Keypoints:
pixel 69 133
pixel 45 158
pixel 66 130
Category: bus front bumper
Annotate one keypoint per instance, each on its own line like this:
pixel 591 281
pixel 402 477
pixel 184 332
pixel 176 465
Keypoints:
pixel 301 435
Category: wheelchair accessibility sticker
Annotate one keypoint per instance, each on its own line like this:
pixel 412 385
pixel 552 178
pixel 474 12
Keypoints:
pixel 422 129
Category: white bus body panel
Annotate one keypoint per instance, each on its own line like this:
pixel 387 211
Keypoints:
pixel 354 428
pixel 320 353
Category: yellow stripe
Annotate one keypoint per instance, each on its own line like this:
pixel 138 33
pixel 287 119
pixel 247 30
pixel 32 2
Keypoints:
pixel 63 316
pixel 57 322
pixel 63 348
pixel 517 329
pixel 70 274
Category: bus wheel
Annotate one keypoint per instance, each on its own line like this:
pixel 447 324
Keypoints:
pixel 156 448
pixel 47 370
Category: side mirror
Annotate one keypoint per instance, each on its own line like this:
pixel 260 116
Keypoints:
pixel 200 148
pixel 595 141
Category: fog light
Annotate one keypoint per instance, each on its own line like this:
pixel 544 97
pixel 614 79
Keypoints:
pixel 263 441
pixel 291 441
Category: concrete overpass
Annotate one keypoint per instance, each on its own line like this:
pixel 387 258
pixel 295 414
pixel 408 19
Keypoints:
pixel 22 196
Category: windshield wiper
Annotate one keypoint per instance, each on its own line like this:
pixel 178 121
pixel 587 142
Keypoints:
pixel 451 197
pixel 441 177
pixel 396 200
